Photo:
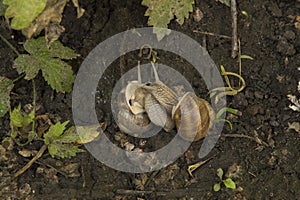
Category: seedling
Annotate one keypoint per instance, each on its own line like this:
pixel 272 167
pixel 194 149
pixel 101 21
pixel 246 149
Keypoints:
pixel 228 182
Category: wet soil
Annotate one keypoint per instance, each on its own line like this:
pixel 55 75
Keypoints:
pixel 262 170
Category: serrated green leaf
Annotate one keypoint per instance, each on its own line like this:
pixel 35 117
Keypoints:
pixel 54 132
pixel 63 150
pixel 229 183
pixel 62 144
pixel 217 187
pixel 220 173
pixel 56 72
pixel 23 12
pixel 6 86
pixel 182 10
pixel 161 12
pixel 19 118
pixel 27 64
pixel 70 136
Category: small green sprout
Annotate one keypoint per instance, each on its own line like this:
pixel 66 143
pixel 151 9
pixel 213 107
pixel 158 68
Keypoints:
pixel 228 182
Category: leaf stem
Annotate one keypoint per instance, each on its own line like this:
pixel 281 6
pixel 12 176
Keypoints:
pixel 33 105
pixel 18 78
pixel 9 44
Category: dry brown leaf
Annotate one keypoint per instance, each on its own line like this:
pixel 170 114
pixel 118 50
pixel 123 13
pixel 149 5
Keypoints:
pixel 294 126
pixel 52 14
pixel 80 10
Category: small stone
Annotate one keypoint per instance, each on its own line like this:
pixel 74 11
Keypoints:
pixel 258 95
pixel 290 35
pixel 197 15
pixel 285 48
pixel 254 109
pixel 275 10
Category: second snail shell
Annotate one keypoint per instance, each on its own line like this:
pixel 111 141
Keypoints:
pixel 193 117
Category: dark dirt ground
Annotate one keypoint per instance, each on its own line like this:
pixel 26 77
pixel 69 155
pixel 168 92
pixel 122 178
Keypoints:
pixel 266 172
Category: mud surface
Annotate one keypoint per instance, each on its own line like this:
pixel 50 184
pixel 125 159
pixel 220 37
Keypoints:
pixel 266 169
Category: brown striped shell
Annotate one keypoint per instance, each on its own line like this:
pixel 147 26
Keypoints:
pixel 193 117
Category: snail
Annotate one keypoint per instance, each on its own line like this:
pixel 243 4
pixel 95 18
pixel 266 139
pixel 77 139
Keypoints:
pixel 158 102
pixel 193 117
pixel 129 122
pixel 132 118
pixel 142 107
pixel 162 93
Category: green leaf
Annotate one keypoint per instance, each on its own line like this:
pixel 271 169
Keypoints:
pixel 56 72
pixel 54 133
pixel 226 2
pixel 27 64
pixel 63 150
pixel 62 144
pixel 161 12
pixel 229 183
pixel 246 57
pixel 23 12
pixel 220 173
pixel 20 119
pixel 217 187
pixel 6 86
pixel 182 10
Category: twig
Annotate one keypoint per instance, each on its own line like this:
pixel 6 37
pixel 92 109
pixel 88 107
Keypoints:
pixel 247 137
pixel 28 165
pixel 234 51
pixel 167 193
pixel 212 34
pixel 9 44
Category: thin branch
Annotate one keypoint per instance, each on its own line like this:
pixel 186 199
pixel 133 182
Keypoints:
pixel 212 34
pixel 234 51
pixel 257 140
pixel 28 165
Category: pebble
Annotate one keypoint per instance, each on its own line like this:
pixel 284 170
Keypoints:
pixel 255 109
pixel 275 10
pixel 285 48
pixel 258 95
pixel 290 35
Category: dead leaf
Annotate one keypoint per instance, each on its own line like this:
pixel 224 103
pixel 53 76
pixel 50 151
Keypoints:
pixel 140 183
pixel 294 126
pixel 52 14
pixel 80 11
pixel 53 32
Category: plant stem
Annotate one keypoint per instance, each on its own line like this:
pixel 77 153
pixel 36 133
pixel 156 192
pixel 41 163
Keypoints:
pixel 9 44
pixel 234 51
pixel 18 78
pixel 28 165
pixel 33 105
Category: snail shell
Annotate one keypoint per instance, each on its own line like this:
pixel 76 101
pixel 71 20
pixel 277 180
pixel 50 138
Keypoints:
pixel 163 94
pixel 193 117
pixel 132 123
pixel 158 114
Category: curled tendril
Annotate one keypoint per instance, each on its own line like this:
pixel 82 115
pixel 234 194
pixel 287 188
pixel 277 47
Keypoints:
pixel 229 90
